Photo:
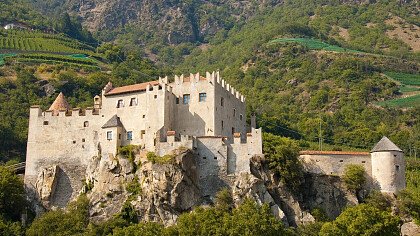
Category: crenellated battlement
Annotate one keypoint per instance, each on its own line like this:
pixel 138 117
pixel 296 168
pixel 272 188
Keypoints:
pixel 36 111
pixel 212 78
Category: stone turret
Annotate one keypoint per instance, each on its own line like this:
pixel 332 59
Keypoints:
pixel 59 104
pixel 388 166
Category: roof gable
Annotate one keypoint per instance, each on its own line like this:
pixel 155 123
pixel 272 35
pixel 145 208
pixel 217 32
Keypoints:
pixel 113 122
pixel 385 145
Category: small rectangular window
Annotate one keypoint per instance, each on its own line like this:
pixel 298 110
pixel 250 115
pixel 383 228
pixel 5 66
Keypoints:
pixel 186 99
pixel 109 135
pixel 142 133
pixel 234 112
pixel 133 102
pixel 240 117
pixel 129 135
pixel 397 167
pixel 222 125
pixel 120 103
pixel 45 122
pixel 119 136
pixel 177 100
pixel 155 96
pixel 233 130
pixel 202 97
pixel 222 101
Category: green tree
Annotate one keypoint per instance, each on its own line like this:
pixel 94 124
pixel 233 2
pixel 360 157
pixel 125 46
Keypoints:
pixel 282 155
pixel 12 198
pixel 71 222
pixel 354 177
pixel 363 220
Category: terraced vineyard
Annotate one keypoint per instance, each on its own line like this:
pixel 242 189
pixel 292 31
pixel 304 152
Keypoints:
pixel 24 46
pixel 21 40
pixel 409 87
pixel 313 44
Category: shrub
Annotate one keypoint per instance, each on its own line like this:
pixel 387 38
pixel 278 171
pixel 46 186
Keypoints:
pixel 354 177
pixel 282 155
pixel 155 159
pixel 12 198
pixel 363 219
pixel 134 187
pixel 409 204
pixel 59 222
pixel 224 200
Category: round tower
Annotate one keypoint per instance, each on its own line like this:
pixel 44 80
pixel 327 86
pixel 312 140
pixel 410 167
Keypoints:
pixel 388 166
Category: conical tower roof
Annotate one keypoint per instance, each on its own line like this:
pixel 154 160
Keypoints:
pixel 385 145
pixel 60 103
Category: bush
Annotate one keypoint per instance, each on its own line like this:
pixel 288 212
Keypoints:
pixel 60 222
pixel 224 200
pixel 12 195
pixel 134 187
pixel 363 219
pixel 282 155
pixel 409 204
pixel 155 159
pixel 354 177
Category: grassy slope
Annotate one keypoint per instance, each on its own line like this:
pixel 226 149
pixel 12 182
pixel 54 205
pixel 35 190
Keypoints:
pixel 409 87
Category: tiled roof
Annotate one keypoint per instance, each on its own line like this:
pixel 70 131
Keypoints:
pixel 385 145
pixel 59 103
pixel 113 122
pixel 309 152
pixel 131 88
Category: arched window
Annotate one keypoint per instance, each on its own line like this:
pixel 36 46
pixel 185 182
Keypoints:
pixel 86 124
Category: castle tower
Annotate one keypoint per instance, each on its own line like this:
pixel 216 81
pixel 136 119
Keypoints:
pixel 60 103
pixel 388 166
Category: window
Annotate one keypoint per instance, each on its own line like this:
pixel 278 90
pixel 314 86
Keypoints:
pixel 109 135
pixel 45 122
pixel 215 157
pixel 86 124
pixel 142 133
pixel 144 116
pixel 397 167
pixel 202 97
pixel 155 96
pixel 222 101
pixel 233 130
pixel 186 99
pixel 222 124
pixel 234 112
pixel 133 102
pixel 129 135
pixel 119 136
pixel 83 140
pixel 120 103
pixel 177 100
pixel 240 117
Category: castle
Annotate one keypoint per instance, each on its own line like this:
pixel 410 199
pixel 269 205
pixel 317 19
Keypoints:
pixel 384 165
pixel 203 114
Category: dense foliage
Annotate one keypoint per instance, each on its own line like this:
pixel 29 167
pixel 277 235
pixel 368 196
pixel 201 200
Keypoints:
pixel 362 220
pixel 71 222
pixel 354 177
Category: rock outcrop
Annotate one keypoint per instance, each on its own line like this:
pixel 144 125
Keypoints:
pixel 46 184
pixel 165 190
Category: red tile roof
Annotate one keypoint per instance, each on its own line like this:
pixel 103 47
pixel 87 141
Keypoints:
pixel 131 88
pixel 333 153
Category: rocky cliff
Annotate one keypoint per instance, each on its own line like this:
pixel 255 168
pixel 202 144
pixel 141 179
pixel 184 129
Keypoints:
pixel 162 191
pixel 173 21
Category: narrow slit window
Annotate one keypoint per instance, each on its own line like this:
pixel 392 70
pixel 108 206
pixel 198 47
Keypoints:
pixel 176 100
pixel 240 117
pixel 234 112
pixel 222 101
